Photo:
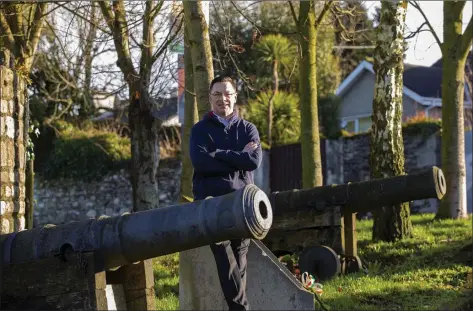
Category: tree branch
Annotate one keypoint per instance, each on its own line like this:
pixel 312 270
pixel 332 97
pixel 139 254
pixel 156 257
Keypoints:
pixel 163 47
pixel 107 14
pixel 467 37
pixel 293 11
pixel 116 21
pixel 326 7
pixel 95 24
pixel 7 35
pixel 418 8
pixel 417 31
pixel 147 40
pixel 458 7
pixel 36 27
pixel 15 20
pixel 254 23
pixel 155 11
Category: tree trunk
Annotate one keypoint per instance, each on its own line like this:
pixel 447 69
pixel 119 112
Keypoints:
pixel 387 148
pixel 88 56
pixel 271 101
pixel 190 118
pixel 143 125
pixel 453 135
pixel 198 30
pixel 144 148
pixel 310 140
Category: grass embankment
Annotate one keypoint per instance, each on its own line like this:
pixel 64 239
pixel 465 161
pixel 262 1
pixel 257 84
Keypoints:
pixel 427 272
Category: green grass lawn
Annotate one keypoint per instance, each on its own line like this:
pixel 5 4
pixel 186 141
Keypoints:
pixel 427 272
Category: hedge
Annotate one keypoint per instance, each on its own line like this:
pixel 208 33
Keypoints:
pixel 84 154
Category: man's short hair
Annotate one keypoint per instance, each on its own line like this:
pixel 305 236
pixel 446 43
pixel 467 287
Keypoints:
pixel 223 79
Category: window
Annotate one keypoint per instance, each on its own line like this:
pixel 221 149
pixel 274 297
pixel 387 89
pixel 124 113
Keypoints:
pixel 357 124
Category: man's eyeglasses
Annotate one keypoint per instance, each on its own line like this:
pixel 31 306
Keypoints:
pixel 227 95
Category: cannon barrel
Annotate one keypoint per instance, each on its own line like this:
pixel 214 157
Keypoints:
pixel 129 238
pixel 360 196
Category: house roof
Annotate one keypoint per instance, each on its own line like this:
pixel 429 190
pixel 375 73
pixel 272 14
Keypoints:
pixel 422 84
pixel 425 81
pixel 164 109
pixel 367 66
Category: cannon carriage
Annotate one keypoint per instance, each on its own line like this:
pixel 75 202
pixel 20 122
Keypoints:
pixel 318 224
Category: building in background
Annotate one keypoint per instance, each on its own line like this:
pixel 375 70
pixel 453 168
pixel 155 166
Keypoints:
pixel 422 95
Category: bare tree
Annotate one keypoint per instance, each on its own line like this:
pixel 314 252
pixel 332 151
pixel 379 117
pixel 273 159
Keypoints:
pixel 123 21
pixel 454 48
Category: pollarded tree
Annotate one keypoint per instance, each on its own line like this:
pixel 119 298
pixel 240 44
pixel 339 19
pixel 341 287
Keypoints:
pixel 387 148
pixel 143 123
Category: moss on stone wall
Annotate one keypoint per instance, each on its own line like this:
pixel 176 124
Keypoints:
pixel 424 128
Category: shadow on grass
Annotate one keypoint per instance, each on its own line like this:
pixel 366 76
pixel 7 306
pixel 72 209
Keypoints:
pixel 166 282
pixel 411 255
pixel 163 290
pixel 402 299
pixel 164 274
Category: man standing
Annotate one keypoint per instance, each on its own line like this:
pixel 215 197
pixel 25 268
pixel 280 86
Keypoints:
pixel 225 150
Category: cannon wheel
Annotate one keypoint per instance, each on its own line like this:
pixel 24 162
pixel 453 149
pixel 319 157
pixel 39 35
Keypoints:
pixel 320 261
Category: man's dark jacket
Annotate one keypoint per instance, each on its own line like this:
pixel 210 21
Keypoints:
pixel 231 168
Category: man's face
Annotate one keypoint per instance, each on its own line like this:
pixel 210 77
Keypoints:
pixel 222 98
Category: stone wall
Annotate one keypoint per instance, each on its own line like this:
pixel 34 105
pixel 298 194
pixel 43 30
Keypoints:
pixel 348 161
pixel 419 152
pixel 12 152
pixel 61 201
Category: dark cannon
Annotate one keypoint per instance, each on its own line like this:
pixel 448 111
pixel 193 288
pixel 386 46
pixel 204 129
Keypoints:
pixel 123 240
pixel 318 223
pixel 107 263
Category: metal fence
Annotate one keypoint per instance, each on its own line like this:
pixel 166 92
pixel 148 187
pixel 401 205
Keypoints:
pixel 285 167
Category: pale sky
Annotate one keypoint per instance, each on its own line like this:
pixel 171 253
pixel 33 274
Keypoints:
pixel 426 51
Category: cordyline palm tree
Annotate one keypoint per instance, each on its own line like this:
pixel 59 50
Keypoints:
pixel 286 114
pixel 276 50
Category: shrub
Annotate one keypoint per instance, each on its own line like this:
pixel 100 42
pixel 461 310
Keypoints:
pixel 85 154
pixel 329 110
pixel 286 117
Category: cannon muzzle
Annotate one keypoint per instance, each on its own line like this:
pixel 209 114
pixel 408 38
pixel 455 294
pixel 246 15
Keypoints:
pixel 129 238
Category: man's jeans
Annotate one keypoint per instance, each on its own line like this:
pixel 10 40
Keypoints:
pixel 230 257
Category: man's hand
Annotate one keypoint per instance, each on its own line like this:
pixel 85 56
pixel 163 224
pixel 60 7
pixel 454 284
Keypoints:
pixel 250 147
pixel 212 154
